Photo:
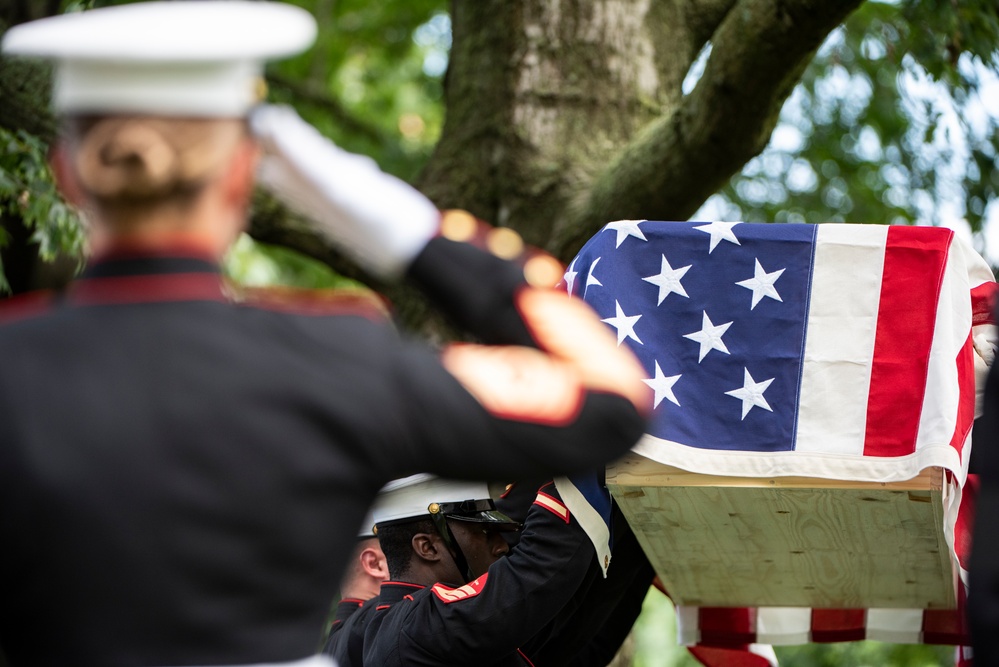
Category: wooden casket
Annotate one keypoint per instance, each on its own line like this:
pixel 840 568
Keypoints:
pixel 790 541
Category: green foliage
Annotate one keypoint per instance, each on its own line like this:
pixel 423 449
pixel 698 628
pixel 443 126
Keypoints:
pixel 28 192
pixel 886 126
pixel 256 264
pixel 373 80
pixel 865 654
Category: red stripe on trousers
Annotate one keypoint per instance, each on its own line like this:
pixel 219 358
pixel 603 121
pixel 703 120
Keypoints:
pixel 913 271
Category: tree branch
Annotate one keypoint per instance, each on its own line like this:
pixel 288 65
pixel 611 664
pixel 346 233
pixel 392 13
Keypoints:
pixel 759 52
pixel 307 94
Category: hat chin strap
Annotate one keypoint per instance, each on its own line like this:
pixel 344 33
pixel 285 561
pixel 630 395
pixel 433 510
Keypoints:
pixel 440 521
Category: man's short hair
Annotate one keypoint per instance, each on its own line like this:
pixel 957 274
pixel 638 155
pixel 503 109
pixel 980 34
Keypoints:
pixel 396 541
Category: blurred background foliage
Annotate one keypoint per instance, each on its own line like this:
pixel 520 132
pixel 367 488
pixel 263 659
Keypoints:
pixel 895 121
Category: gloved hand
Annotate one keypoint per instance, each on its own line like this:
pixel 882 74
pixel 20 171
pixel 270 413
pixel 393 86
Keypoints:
pixel 380 221
pixel 983 338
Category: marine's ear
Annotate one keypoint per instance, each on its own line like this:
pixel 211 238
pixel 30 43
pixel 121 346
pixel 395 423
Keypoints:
pixel 428 547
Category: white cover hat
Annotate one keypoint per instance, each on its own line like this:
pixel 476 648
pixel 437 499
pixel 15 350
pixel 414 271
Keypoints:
pixel 424 494
pixel 180 58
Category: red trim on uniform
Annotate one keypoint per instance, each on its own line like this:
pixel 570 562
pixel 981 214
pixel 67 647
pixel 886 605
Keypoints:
pixel 179 247
pixel 913 272
pixel 147 289
pixel 382 607
pixel 526 659
pixel 25 306
pixel 553 505
pixel 447 595
pixel 317 302
pixel 357 600
pixel 408 597
pixel 402 583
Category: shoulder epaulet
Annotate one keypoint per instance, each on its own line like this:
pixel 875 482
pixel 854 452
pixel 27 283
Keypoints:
pixel 448 595
pixel 552 504
pixel 26 305
pixel 345 301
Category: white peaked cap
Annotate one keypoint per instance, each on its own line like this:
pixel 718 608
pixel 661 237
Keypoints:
pixel 411 497
pixel 179 58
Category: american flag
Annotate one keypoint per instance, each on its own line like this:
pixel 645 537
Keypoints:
pixel 836 351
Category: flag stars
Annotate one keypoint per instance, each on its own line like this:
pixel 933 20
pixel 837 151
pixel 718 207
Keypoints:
pixel 624 229
pixel 719 231
pixel 710 336
pixel 570 277
pixel 668 280
pixel 762 284
pixel 590 278
pixel 662 385
pixel 751 394
pixel 625 324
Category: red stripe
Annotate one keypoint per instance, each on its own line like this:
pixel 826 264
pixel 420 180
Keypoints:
pixel 526 659
pixel 913 271
pixel 966 520
pixel 966 401
pixel 948 626
pixel 983 303
pixel 727 625
pixel 146 289
pixel 740 656
pixel 25 305
pixel 838 625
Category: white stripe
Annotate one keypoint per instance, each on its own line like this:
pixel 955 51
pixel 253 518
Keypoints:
pixel 589 519
pixel 839 343
pixel 688 632
pixel 951 330
pixel 783 625
pixel 765 651
pixel 899 626
pixel 783 464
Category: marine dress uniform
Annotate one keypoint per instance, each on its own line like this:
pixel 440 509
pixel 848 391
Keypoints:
pixel 181 474
pixel 488 620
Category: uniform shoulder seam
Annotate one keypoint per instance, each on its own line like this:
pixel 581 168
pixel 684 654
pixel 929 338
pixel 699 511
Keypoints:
pixel 314 302
pixel 26 305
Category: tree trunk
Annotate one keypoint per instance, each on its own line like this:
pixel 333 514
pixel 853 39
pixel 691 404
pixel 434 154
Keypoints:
pixel 565 115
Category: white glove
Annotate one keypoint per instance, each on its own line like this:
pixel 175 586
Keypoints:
pixel 380 221
pixel 983 337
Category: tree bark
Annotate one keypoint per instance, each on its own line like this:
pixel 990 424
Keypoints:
pixel 563 115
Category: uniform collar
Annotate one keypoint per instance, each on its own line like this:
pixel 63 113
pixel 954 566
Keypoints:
pixel 134 274
pixel 394 591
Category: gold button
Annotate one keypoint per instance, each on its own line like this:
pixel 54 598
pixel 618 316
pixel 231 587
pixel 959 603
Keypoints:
pixel 434 508
pixel 458 226
pixel 543 271
pixel 505 243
